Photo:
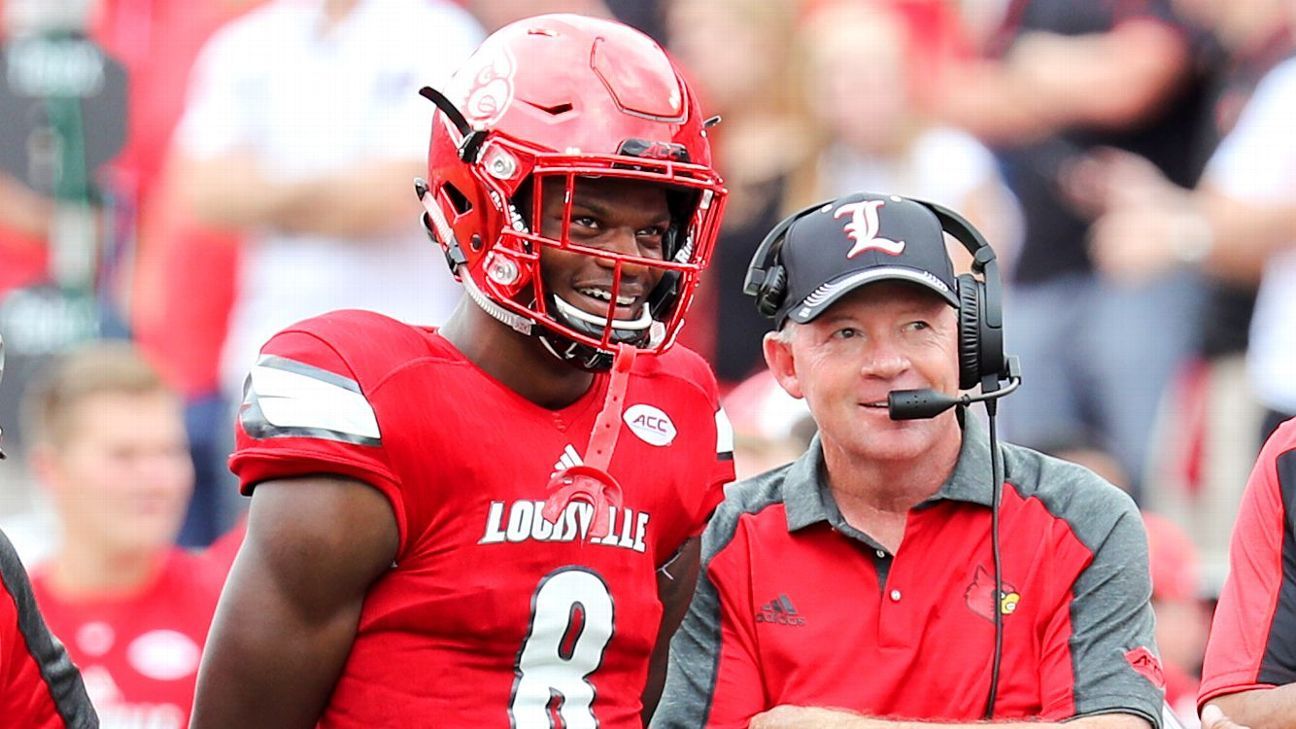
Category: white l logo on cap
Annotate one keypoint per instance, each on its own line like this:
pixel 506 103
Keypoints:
pixel 863 228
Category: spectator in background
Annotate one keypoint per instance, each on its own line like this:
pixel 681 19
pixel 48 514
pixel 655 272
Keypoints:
pixel 1238 225
pixel 1062 78
pixel 856 62
pixel 107 442
pixel 737 54
pixel 305 129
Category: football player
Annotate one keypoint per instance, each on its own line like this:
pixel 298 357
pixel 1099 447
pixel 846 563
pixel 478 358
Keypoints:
pixel 494 524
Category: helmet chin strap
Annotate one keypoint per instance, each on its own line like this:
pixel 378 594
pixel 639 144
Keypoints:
pixel 518 323
pixel 590 482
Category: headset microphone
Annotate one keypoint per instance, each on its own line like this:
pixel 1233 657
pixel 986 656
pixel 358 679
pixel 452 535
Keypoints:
pixel 922 404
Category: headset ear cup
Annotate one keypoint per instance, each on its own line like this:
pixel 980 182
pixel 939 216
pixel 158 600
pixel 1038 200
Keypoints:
pixel 772 291
pixel 969 331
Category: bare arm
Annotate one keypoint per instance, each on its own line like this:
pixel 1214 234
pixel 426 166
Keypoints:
pixel 288 614
pixel 1245 234
pixel 675 584
pixel 362 200
pixel 1272 708
pixel 796 717
pixel 1151 225
pixel 1050 81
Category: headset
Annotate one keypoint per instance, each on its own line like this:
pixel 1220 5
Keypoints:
pixel 980 353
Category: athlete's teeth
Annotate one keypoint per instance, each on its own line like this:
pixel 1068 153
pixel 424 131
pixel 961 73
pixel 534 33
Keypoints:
pixel 602 295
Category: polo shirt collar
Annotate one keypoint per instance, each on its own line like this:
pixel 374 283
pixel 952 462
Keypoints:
pixel 807 499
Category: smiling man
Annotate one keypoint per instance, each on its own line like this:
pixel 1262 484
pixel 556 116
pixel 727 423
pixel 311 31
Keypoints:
pixel 862 576
pixel 494 524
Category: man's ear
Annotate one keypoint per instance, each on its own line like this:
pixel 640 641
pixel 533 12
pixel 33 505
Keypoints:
pixel 779 358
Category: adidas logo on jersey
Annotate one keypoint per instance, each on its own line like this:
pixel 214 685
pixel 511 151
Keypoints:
pixel 568 459
pixel 780 611
pixel 522 521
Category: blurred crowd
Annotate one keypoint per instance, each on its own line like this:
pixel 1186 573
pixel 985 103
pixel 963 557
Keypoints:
pixel 192 176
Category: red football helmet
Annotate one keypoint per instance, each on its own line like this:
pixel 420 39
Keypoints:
pixel 556 98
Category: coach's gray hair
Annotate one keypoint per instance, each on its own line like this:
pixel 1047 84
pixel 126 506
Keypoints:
pixel 785 334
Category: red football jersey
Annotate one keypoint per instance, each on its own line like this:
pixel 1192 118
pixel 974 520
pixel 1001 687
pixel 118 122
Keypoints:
pixel 492 615
pixel 139 653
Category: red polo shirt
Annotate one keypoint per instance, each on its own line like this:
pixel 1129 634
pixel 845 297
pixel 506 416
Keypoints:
pixel 1253 637
pixel 795 606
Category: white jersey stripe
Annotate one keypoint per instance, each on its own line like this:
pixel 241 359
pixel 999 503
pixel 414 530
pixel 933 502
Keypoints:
pixel 291 399
pixel 724 433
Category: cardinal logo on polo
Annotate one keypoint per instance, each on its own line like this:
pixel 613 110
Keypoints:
pixel 863 228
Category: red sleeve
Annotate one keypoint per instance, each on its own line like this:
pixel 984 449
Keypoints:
pixel 1253 636
pixel 39 686
pixel 306 412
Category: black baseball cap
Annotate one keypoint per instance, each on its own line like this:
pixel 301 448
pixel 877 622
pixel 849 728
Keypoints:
pixel 860 239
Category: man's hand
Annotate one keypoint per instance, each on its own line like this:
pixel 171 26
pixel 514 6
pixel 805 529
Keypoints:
pixel 810 717
pixel 1212 717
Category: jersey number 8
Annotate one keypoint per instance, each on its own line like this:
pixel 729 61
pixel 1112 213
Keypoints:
pixel 572 619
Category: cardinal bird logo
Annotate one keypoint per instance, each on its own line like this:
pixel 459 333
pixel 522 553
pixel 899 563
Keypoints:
pixel 980 596
pixel 863 228
pixel 489 86
pixel 1146 663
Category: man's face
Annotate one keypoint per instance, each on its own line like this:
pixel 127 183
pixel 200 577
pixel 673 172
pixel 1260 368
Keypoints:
pixel 123 476
pixel 882 337
pixel 619 216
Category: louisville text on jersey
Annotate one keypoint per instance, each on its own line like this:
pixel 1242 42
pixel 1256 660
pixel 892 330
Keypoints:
pixel 522 521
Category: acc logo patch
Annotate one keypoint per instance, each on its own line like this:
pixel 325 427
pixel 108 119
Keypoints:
pixel 653 426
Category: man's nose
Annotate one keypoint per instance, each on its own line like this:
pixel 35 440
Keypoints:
pixel 884 360
pixel 624 242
